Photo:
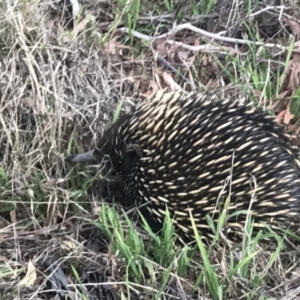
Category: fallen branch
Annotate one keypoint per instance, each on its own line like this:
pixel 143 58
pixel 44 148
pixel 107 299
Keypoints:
pixel 206 48
pixel 206 34
pixel 203 48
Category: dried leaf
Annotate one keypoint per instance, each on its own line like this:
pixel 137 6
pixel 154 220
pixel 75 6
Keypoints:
pixel 183 55
pixel 30 276
pixel 197 42
pixel 69 245
pixel 96 211
pixel 282 95
pixel 170 82
pixel 257 93
pixel 172 52
pixel 288 116
pixel 112 46
pixel 294 26
pixel 278 103
pixel 160 46
pixel 280 117
pixel 164 49
pixel 79 27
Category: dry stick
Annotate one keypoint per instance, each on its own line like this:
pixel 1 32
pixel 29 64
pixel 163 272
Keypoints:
pixel 207 35
pixel 164 18
pixel 204 48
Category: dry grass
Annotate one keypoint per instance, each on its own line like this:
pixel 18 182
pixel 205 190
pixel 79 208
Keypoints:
pixel 58 92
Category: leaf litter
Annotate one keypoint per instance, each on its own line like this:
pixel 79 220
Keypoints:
pixel 57 82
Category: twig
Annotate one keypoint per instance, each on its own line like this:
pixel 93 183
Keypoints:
pixel 171 16
pixel 207 35
pixel 281 8
pixel 206 48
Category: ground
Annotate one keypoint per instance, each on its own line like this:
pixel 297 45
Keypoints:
pixel 66 73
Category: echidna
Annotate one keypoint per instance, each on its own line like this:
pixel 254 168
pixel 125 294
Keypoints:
pixel 189 152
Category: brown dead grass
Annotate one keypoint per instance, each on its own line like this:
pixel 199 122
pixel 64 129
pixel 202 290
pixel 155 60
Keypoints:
pixel 55 86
